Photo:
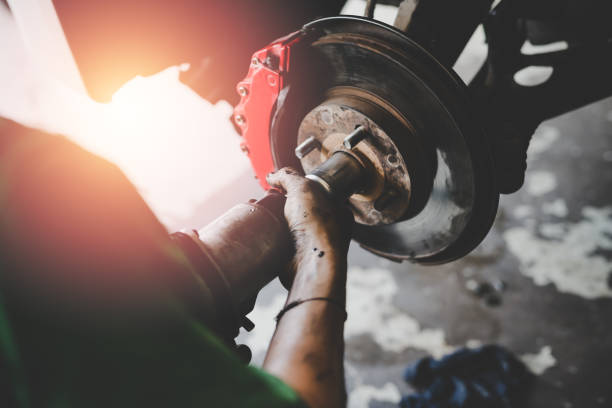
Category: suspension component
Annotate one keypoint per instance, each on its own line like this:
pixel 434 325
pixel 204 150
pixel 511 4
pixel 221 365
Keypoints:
pixel 365 103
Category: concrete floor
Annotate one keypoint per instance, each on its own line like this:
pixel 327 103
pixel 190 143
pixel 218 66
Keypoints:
pixel 567 308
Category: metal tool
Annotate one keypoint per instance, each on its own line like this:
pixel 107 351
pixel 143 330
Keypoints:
pixel 248 246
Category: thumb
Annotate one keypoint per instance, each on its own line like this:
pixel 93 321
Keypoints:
pixel 287 179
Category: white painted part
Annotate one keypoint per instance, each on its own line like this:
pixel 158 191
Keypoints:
pixel 45 41
pixel 543 139
pixel 540 182
pixel 533 76
pixel 522 211
pixel 540 362
pixel 557 208
pixel 382 12
pixel 362 395
pixel 529 49
pixel 565 254
pixel 473 56
pixel 371 312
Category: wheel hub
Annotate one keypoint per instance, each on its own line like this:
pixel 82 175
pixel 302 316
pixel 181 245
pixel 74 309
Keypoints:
pixel 385 195
pixel 428 194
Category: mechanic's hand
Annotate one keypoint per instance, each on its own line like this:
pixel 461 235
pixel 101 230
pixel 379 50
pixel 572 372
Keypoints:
pixel 311 212
pixel 319 225
pixel 321 228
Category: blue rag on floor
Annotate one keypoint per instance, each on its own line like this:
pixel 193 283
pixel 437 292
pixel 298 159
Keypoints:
pixel 485 377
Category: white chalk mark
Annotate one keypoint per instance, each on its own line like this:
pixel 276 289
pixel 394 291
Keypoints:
pixel 540 182
pixel 540 362
pixel 557 208
pixel 553 231
pixel 362 395
pixel 371 312
pixel 523 211
pixel 473 343
pixel 542 140
pixel 566 254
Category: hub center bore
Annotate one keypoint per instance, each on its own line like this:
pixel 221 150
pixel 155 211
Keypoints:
pixel 384 193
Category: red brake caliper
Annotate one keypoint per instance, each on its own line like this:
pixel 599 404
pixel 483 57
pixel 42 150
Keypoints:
pixel 259 90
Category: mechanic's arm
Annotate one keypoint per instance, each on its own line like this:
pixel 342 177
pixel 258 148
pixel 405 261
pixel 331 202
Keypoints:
pixel 308 347
pixel 98 306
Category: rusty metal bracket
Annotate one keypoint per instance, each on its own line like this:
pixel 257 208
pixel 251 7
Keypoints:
pixel 512 112
pixel 442 27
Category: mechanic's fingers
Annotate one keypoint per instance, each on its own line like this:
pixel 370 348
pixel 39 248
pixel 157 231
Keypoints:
pixel 286 178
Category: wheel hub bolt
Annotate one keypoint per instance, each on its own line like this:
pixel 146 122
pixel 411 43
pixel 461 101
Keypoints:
pixel 306 147
pixel 355 137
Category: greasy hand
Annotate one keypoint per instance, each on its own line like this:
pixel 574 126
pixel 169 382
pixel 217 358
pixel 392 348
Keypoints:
pixel 306 351
pixel 312 215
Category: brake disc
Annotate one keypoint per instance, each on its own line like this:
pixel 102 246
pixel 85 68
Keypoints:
pixel 437 199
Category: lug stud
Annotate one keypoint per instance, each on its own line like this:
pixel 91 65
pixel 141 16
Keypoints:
pixel 355 137
pixel 306 147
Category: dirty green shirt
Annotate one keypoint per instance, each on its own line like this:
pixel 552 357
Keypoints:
pixel 85 270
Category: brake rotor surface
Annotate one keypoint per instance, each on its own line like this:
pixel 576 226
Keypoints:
pixel 453 199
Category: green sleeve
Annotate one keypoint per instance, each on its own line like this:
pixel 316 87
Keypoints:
pixel 53 364
pixel 69 214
